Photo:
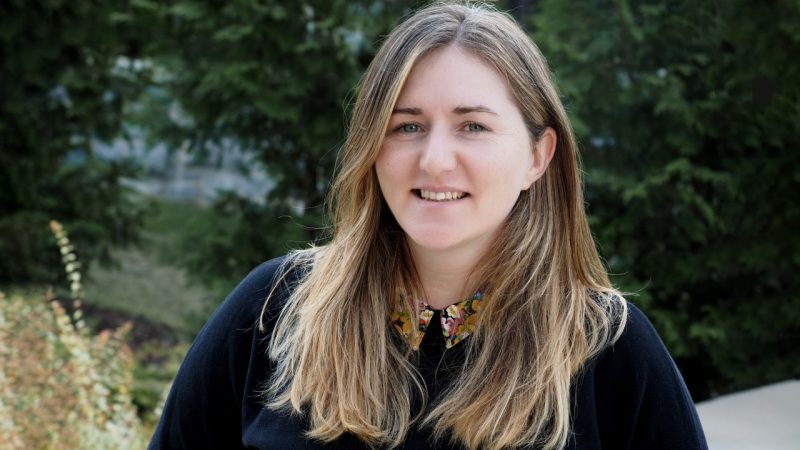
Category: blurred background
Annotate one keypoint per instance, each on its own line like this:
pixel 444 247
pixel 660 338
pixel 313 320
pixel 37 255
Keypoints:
pixel 181 142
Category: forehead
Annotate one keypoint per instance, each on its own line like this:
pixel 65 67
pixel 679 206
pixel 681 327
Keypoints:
pixel 454 76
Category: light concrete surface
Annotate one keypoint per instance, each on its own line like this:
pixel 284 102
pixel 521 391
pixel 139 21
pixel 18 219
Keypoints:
pixel 764 418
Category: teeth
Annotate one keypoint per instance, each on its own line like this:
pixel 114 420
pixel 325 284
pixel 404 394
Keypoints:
pixel 440 196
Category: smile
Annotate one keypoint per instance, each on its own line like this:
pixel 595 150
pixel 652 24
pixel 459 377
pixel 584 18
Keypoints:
pixel 439 196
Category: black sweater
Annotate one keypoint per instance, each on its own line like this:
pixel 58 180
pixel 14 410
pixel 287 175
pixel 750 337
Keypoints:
pixel 629 397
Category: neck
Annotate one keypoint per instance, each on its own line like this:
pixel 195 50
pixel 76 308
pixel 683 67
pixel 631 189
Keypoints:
pixel 445 274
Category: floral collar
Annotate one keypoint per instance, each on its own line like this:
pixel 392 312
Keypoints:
pixel 458 320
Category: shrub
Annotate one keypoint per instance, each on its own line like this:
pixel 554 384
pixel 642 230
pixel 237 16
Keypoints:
pixel 61 386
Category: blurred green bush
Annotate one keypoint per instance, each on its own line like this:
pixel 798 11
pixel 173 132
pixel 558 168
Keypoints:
pixel 63 87
pixel 687 113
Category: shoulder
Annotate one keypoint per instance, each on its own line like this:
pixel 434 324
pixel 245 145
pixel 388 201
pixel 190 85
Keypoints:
pixel 639 347
pixel 638 395
pixel 213 385
pixel 269 281
pixel 232 332
pixel 638 356
pixel 638 338
pixel 264 290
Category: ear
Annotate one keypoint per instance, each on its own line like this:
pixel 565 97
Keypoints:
pixel 543 151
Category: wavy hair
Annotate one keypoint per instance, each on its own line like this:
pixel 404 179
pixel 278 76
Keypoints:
pixel 550 306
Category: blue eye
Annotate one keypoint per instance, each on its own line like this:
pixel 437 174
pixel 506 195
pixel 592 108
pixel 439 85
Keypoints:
pixel 409 128
pixel 474 127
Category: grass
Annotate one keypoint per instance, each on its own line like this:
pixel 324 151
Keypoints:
pixel 151 281
pixel 144 286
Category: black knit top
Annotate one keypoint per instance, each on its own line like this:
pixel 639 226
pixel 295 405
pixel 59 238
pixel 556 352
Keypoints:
pixel 631 396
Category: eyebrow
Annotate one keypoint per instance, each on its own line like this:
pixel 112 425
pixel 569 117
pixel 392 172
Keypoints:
pixel 471 109
pixel 411 111
pixel 460 110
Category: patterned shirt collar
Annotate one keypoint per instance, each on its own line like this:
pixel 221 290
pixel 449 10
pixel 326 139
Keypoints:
pixel 458 320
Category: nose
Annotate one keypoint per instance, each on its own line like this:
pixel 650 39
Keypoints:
pixel 438 153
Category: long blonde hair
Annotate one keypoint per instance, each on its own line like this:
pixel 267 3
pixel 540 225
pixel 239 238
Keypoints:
pixel 549 308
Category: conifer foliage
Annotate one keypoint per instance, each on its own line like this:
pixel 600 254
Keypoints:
pixel 63 84
pixel 687 113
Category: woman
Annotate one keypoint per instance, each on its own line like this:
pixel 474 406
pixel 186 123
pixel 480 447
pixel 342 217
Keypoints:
pixel 460 302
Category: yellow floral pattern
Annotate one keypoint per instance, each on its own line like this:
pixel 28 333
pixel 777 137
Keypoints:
pixel 458 320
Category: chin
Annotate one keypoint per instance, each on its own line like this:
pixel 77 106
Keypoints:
pixel 435 240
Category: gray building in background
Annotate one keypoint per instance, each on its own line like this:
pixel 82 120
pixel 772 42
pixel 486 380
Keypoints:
pixel 179 176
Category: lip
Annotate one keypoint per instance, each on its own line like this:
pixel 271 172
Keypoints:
pixel 438 204
pixel 439 188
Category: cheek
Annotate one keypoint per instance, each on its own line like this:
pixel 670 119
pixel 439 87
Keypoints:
pixel 391 165
pixel 505 179
pixel 504 173
pixel 381 162
pixel 386 171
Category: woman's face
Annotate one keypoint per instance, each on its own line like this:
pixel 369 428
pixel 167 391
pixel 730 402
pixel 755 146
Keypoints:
pixel 457 153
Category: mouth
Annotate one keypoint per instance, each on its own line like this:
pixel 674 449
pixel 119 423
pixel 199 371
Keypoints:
pixel 439 196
